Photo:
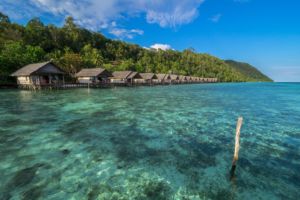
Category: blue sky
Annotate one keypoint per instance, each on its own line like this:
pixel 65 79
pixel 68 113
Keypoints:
pixel 265 33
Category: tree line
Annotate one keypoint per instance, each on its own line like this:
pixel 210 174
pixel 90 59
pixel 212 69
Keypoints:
pixel 73 48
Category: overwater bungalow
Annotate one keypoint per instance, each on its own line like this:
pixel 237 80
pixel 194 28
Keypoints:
pixel 212 80
pixel 189 79
pixel 124 77
pixel 39 75
pixel 182 79
pixel 134 77
pixel 93 76
pixel 186 78
pixel 174 78
pixel 163 78
pixel 148 78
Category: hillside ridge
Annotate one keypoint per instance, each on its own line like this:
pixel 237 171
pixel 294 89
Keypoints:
pixel 250 71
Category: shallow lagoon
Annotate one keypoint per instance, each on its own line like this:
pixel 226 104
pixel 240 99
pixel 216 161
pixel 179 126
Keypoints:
pixel 164 142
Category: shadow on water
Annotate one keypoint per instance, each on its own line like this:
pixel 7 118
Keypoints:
pixel 21 179
pixel 33 193
pixel 129 145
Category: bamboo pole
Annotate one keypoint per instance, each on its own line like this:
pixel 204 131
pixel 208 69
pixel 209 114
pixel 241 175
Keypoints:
pixel 237 146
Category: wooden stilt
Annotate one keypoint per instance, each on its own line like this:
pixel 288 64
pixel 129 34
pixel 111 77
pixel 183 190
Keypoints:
pixel 237 146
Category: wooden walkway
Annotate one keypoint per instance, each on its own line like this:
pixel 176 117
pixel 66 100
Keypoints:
pixel 98 85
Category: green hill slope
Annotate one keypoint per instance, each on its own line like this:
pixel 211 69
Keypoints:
pixel 248 70
pixel 73 48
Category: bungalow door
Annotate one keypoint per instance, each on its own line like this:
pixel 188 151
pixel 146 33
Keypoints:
pixel 44 80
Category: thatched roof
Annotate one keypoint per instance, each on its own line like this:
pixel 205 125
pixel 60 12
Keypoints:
pixel 121 74
pixel 92 72
pixel 36 68
pixel 161 76
pixel 168 76
pixel 134 75
pixel 174 77
pixel 182 78
pixel 148 76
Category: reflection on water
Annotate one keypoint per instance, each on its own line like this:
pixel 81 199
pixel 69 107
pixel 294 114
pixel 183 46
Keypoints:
pixel 173 142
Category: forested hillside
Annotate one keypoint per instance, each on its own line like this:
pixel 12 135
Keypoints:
pixel 73 48
pixel 248 70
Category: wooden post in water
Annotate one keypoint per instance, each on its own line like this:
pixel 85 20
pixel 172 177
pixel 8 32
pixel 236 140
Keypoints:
pixel 236 147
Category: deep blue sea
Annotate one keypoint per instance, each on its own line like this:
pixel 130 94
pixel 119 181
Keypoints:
pixel 164 142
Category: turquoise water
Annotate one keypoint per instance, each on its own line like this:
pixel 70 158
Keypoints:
pixel 164 142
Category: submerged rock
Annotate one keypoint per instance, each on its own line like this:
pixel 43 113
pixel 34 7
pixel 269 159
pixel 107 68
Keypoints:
pixel 65 151
pixel 21 179
pixel 33 193
pixel 24 176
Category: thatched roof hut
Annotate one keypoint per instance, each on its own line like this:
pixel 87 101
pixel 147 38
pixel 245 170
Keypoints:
pixel 161 77
pixel 124 76
pixel 174 77
pixel 194 79
pixel 134 75
pixel 182 78
pixel 39 69
pixel 93 72
pixel 148 76
pixel 44 73
pixel 121 74
pixel 93 75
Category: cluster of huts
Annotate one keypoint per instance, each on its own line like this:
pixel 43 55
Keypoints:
pixel 48 74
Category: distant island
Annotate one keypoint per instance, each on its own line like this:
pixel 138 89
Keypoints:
pixel 249 71
pixel 73 48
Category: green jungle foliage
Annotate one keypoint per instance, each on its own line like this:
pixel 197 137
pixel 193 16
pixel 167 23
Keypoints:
pixel 73 47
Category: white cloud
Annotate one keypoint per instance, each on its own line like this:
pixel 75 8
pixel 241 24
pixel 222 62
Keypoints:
pixel 124 33
pixel 171 13
pixel 163 47
pixel 92 14
pixel 100 14
pixel 216 18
